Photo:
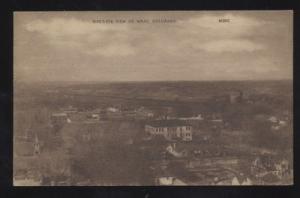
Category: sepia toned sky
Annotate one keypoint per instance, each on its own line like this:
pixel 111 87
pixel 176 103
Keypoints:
pixel 68 46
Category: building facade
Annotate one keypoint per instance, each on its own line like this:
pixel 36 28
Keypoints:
pixel 170 129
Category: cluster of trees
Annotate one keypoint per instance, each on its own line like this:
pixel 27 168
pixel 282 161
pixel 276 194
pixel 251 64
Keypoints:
pixel 30 120
pixel 280 140
pixel 110 159
pixel 54 165
pixel 109 163
pixel 258 131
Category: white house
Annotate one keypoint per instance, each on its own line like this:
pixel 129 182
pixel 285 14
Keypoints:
pixel 112 109
pixel 170 181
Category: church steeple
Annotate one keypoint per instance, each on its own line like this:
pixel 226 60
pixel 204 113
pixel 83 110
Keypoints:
pixel 36 145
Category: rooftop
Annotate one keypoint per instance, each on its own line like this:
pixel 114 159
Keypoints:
pixel 59 114
pixel 168 123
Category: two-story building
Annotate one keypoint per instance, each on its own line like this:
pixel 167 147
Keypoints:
pixel 170 129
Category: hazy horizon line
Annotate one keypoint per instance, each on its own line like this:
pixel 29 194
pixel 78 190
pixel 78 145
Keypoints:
pixel 151 81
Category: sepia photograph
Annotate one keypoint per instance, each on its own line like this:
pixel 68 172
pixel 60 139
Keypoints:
pixel 153 98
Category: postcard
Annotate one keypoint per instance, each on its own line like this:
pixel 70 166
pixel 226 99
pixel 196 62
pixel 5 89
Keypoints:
pixel 153 98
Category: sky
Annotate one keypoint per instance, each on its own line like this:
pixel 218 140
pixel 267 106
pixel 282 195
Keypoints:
pixel 194 46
